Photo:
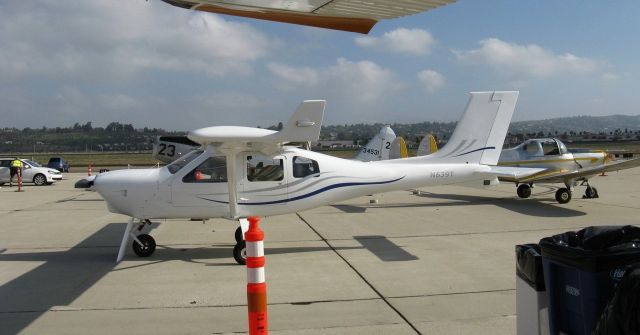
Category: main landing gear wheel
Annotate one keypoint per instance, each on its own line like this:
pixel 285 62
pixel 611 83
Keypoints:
pixel 240 252
pixel 563 195
pixel 147 248
pixel 590 192
pixel 524 191
pixel 238 235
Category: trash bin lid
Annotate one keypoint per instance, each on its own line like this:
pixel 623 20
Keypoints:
pixel 595 249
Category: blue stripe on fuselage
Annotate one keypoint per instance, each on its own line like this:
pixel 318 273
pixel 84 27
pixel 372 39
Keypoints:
pixel 324 189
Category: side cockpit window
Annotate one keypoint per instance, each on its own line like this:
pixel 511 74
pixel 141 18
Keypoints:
pixel 213 170
pixel 550 148
pixel 261 168
pixel 531 148
pixel 303 167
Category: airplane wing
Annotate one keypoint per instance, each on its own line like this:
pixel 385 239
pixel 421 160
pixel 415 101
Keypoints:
pixel 514 173
pixel 347 15
pixel 561 175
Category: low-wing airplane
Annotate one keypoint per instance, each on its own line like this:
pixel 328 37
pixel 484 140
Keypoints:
pixel 560 166
pixel 346 15
pixel 241 171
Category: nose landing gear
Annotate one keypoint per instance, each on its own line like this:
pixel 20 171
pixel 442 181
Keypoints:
pixel 143 245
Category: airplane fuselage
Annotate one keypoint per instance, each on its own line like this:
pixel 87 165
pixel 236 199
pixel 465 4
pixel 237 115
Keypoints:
pixel 549 154
pixel 288 181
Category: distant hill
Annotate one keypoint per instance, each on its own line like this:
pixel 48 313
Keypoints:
pixel 592 124
pixel 123 137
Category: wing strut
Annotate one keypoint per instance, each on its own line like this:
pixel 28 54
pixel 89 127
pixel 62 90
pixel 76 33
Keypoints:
pixel 232 184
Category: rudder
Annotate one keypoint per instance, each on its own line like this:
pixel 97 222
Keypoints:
pixel 480 133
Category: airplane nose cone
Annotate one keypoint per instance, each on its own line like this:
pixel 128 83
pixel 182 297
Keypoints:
pixel 126 191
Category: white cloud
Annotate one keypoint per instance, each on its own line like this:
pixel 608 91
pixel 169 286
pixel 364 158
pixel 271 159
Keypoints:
pixel 610 77
pixel 111 40
pixel 363 81
pixel 431 79
pixel 294 75
pixel 402 40
pixel 526 60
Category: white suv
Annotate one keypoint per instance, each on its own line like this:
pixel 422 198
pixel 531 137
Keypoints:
pixel 32 172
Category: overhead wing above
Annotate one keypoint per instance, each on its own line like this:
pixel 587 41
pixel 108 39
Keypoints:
pixel 348 15
pixel 561 175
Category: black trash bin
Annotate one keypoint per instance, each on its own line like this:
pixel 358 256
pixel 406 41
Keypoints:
pixel 581 271
pixel 531 297
pixel 622 314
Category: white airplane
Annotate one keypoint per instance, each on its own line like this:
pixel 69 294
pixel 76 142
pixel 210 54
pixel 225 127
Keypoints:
pixel 560 166
pixel 242 171
pixel 379 147
pixel 346 15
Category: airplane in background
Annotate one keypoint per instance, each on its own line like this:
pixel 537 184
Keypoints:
pixel 167 149
pixel 427 145
pixel 572 167
pixel 346 15
pixel 383 146
pixel 241 172
pixel 560 165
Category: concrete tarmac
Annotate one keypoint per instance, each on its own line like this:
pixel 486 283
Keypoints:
pixel 438 262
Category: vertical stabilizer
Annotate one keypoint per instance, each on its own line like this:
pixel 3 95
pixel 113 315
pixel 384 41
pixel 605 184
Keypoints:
pixel 480 134
pixel 304 125
pixel 427 146
pixel 378 148
pixel 398 148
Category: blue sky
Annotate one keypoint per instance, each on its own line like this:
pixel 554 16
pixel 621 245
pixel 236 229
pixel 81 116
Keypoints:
pixel 152 64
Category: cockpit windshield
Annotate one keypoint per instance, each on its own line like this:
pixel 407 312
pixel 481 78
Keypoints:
pixel 183 161
pixel 563 148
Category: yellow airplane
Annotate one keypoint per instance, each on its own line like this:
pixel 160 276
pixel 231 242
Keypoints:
pixel 561 165
pixel 572 168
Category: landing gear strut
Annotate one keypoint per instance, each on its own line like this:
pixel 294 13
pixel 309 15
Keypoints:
pixel 143 245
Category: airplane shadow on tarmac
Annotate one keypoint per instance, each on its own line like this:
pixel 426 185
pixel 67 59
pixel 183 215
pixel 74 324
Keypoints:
pixel 536 206
pixel 66 275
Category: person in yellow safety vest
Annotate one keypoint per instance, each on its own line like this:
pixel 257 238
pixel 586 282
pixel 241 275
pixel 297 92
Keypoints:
pixel 16 170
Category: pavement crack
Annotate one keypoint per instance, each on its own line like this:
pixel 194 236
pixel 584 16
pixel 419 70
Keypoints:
pixel 382 297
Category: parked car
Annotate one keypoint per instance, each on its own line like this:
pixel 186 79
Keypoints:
pixel 59 164
pixel 32 172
